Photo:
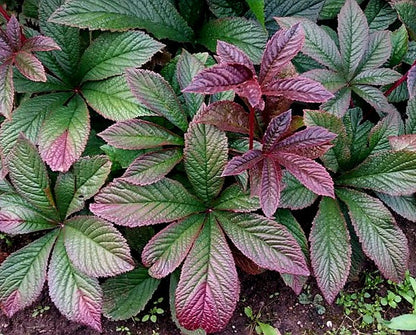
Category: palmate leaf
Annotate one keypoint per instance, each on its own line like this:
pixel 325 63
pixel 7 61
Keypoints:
pixel 52 84
pixel 208 288
pixel 205 156
pixel 276 129
pixel 270 186
pixel 379 14
pixel 248 35
pixel 130 205
pixel 111 53
pixel 241 163
pixel 225 115
pixel 234 199
pixel 403 205
pixel 139 134
pixel 189 66
pixel 113 99
pixel 127 294
pixel 158 17
pixel 391 172
pixel 399 45
pixel 155 93
pixel 64 135
pixel 29 177
pixel 353 35
pixel 339 104
pixel 29 66
pixel 330 248
pixel 22 219
pixel 28 119
pixel 76 295
pixel 264 241
pixel 95 247
pixel 23 274
pixel 152 166
pixel 318 44
pixel 376 76
pixel 168 248
pixel 332 81
pixel 6 90
pixel 280 49
pixel 229 53
pixel 380 237
pixel 294 194
pixel 378 50
pixel 86 178
pixel 373 96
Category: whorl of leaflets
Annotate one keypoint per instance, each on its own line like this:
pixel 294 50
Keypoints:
pixel 17 50
pixel 295 152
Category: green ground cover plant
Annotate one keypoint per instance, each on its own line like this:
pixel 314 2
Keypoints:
pixel 148 139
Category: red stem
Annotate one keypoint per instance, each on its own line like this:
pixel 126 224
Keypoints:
pixel 399 82
pixel 4 13
pixel 251 127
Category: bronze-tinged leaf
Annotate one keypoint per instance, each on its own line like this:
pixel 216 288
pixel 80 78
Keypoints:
pixel 228 53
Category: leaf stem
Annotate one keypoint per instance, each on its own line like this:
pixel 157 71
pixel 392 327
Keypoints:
pixel 399 82
pixel 251 126
pixel 4 13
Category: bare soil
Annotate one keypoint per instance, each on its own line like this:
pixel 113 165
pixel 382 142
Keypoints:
pixel 264 293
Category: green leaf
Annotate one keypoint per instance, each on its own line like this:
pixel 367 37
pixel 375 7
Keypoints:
pixel 399 44
pixel 379 14
pixel 139 134
pixel 378 139
pixel 333 81
pixel 339 104
pixel 65 61
pixel 407 12
pixel 205 156
pixel 318 44
pixel 77 296
pixel 226 8
pixel 113 99
pixel 120 158
pixel 295 195
pixel 257 7
pixel 64 135
pixel 127 294
pixel 87 177
pixel 331 9
pixel 24 85
pixel 330 248
pixel 378 50
pixel 28 119
pixel 403 322
pixel 388 172
pixel 111 53
pixel 248 35
pixel 131 205
pixel 380 237
pixel 6 90
pixel 373 96
pixel 381 76
pixel 353 36
pixel 264 241
pixel 158 17
pixel 152 166
pixel 168 248
pixel 29 177
pixel 154 92
pixel 234 199
pixel 23 274
pixel 95 247
pixel 403 205
pixel 410 126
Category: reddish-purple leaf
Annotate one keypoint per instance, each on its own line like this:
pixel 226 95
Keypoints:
pixel 251 90
pixel 225 115
pixel 241 163
pixel 168 248
pixel 311 174
pixel 40 43
pixel 6 90
pixel 311 137
pixel 228 53
pixel 312 152
pixel 276 128
pixel 411 82
pixel 270 187
pixel 299 89
pixel 208 288
pixel 255 179
pixel 29 66
pixel 5 50
pixel 14 33
pixel 281 48
pixel 219 78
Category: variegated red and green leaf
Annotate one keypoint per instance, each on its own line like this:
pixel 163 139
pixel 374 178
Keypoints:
pixel 6 90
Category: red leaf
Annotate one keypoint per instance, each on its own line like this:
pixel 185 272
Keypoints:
pixel 219 78
pixel 12 304
pixel 255 179
pixel 40 43
pixel 5 49
pixel 281 48
pixel 89 312
pixel 30 66
pixel 299 89
pixel 14 33
pixel 241 163
pixel 228 53
pixel 276 128
pixel 311 174
pixel 270 187
pixel 252 91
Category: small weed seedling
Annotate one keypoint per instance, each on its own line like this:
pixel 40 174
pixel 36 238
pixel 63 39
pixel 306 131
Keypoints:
pixel 124 330
pixel 6 239
pixel 306 298
pixel 39 311
pixel 153 312
pixel 256 325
